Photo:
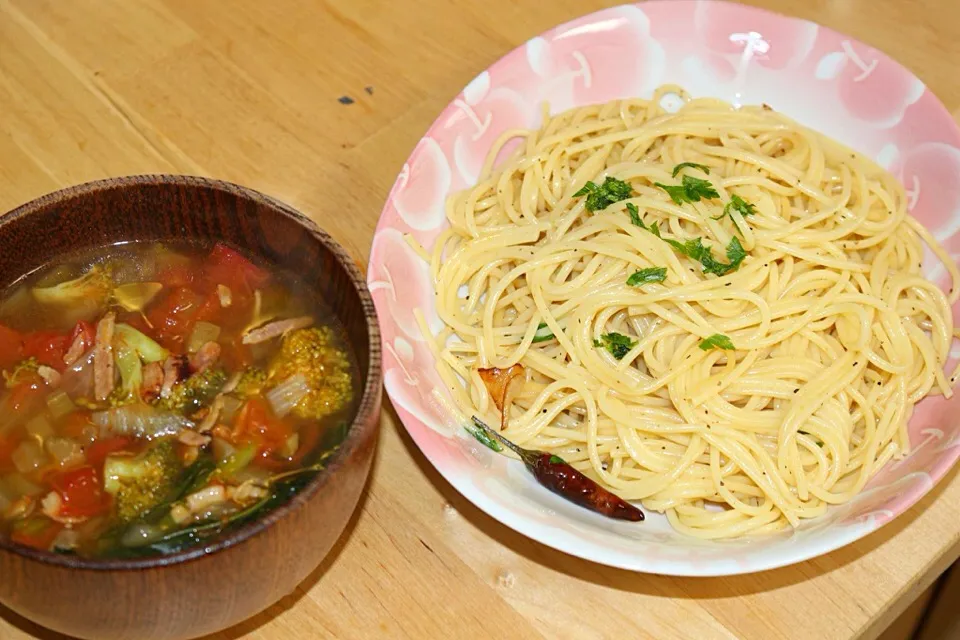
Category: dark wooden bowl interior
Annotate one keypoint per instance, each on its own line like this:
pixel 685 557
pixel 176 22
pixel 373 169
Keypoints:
pixel 205 589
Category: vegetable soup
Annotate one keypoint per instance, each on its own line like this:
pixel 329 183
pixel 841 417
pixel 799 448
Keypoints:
pixel 155 395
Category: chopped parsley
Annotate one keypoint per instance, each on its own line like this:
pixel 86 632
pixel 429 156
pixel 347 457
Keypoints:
pixel 696 250
pixel 543 333
pixel 690 189
pixel 616 343
pixel 602 196
pixel 717 341
pixel 650 274
pixel 692 165
pixel 557 460
pixel 738 204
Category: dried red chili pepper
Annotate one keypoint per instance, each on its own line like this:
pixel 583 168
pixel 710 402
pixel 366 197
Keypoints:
pixel 559 477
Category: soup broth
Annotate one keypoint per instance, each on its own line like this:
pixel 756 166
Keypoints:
pixel 156 395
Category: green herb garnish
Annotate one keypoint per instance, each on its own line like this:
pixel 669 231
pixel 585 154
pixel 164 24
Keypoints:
pixel 692 165
pixel 602 196
pixel 543 333
pixel 717 341
pixel 557 460
pixel 696 250
pixel 650 274
pixel 738 204
pixel 690 189
pixel 617 344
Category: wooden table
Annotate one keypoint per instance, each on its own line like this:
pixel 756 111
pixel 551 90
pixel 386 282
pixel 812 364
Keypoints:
pixel 247 90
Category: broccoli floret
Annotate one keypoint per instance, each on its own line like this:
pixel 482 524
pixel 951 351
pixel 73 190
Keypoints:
pixel 26 370
pixel 195 392
pixel 326 367
pixel 140 483
pixel 252 382
pixel 119 397
pixel 92 288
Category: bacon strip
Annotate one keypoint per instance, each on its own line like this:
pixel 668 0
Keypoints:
pixel 152 381
pixel 205 357
pixel 274 329
pixel 103 371
pixel 75 351
pixel 175 369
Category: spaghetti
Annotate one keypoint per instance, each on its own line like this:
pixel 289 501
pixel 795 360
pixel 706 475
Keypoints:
pixel 720 313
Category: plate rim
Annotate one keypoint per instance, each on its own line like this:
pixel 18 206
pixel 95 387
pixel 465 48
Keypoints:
pixel 533 530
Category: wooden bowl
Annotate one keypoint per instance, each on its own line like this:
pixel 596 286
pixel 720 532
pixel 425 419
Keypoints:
pixel 202 590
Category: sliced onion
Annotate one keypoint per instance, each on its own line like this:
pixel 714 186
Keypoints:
pixel 203 332
pixel 28 456
pixel 285 396
pixel 139 420
pixel 20 486
pixel 290 446
pixel 63 449
pixel 39 426
pixel 205 498
pixel 230 407
pixel 66 540
pixel 60 404
pixel 222 450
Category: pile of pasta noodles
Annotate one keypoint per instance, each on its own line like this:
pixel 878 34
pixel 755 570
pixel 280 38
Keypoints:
pixel 719 313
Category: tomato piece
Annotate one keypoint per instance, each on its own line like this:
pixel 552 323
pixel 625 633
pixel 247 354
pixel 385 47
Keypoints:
pixel 11 346
pixel 80 492
pixel 98 451
pixel 47 347
pixel 74 423
pixel 36 532
pixel 309 437
pixel 229 268
pixel 26 396
pixel 235 355
pixel 210 310
pixel 174 315
pixel 86 332
pixel 256 423
pixel 177 277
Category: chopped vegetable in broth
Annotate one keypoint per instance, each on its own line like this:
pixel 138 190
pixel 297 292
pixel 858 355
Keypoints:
pixel 154 396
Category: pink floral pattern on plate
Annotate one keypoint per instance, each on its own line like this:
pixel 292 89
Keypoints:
pixel 823 79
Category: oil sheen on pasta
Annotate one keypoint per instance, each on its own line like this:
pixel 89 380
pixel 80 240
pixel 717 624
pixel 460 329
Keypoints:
pixel 739 390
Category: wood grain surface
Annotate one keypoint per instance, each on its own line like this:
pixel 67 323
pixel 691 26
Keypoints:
pixel 247 91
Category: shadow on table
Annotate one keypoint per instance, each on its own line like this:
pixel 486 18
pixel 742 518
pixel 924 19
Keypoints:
pixel 257 621
pixel 653 584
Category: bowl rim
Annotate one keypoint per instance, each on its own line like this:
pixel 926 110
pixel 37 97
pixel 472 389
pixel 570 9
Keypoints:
pixel 366 411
